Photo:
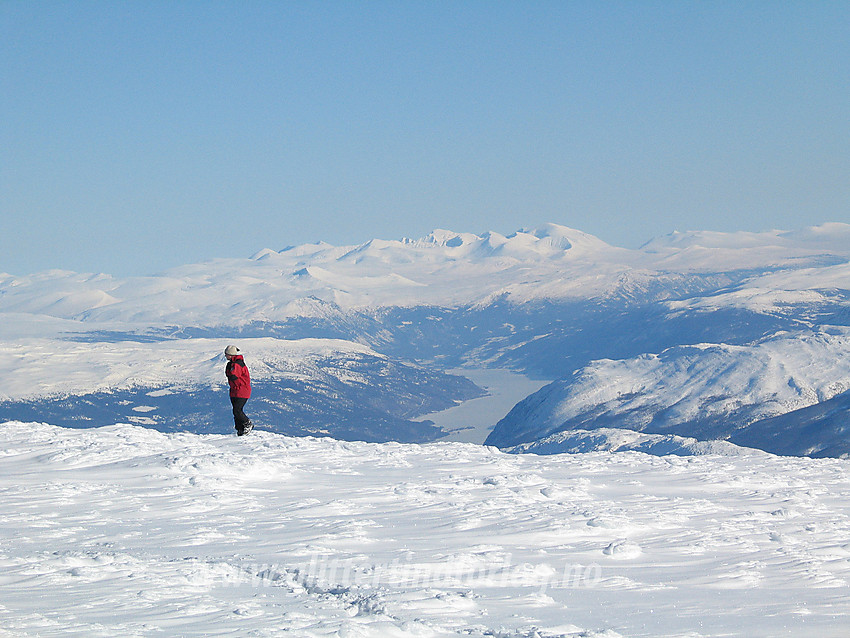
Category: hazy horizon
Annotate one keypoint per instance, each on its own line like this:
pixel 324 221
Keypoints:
pixel 141 136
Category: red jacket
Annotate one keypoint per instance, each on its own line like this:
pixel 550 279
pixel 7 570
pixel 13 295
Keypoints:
pixel 238 377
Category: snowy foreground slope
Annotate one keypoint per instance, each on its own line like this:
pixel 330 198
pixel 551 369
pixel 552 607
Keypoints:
pixel 126 531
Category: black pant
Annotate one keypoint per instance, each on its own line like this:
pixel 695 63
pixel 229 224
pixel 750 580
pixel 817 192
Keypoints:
pixel 239 417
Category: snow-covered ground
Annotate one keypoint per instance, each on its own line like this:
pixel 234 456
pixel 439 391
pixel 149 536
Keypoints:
pixel 126 531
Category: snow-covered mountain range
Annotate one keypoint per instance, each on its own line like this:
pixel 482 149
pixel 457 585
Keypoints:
pixel 445 269
pixel 698 334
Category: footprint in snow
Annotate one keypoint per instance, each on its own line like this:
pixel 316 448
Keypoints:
pixel 623 550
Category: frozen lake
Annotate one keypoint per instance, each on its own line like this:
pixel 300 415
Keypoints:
pixel 472 421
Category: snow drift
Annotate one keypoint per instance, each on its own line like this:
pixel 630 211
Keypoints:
pixel 126 531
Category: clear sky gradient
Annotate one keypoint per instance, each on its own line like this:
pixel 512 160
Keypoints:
pixel 140 135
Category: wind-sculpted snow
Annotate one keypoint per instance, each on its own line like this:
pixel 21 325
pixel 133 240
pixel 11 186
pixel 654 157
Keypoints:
pixel 705 391
pixel 125 531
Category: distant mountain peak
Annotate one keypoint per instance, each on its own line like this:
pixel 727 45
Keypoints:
pixel 448 238
pixel 833 236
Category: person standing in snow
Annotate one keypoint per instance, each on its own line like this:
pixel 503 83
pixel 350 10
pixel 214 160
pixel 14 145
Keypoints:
pixel 240 388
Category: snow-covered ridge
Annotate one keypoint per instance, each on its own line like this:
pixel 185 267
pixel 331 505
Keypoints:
pixel 318 387
pixel 829 237
pixel 709 391
pixel 43 367
pixel 620 440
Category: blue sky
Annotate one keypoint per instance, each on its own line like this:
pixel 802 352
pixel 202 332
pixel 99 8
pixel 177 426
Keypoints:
pixel 136 136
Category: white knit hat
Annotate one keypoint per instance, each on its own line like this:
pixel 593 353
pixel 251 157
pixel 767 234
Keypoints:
pixel 231 350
